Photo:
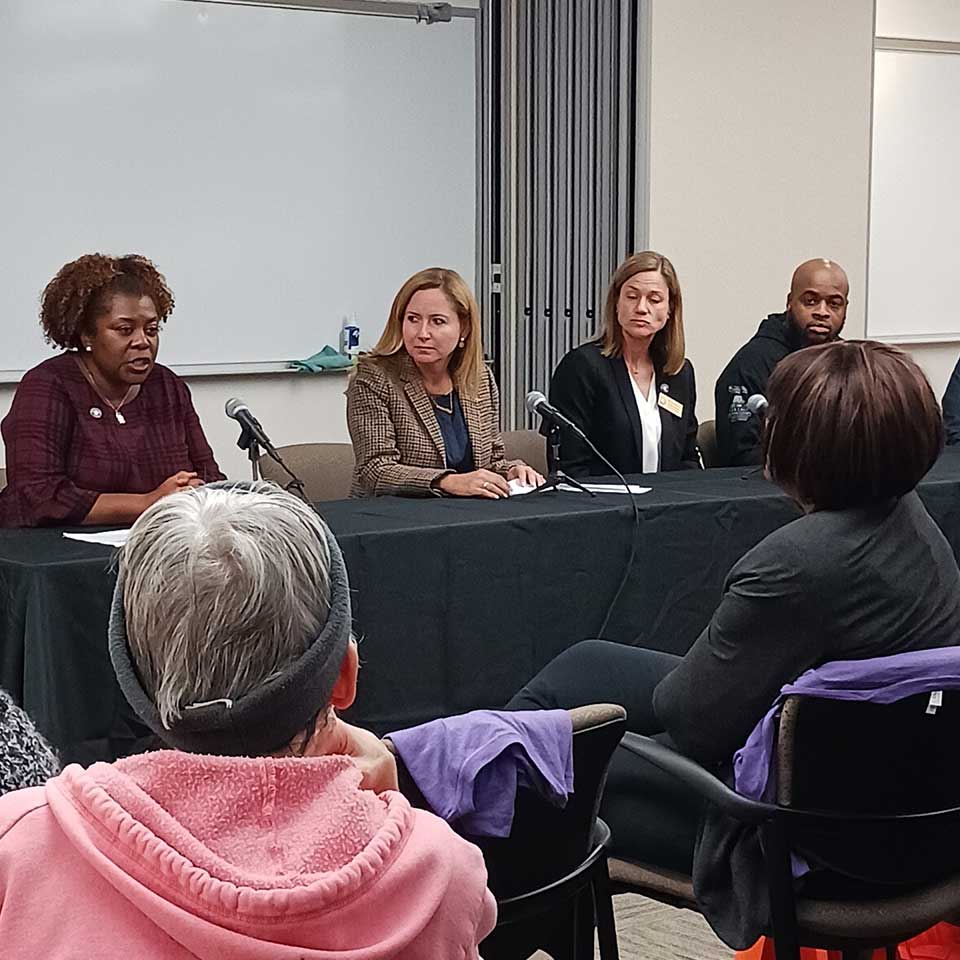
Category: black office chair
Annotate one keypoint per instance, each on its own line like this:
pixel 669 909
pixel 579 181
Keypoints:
pixel 863 790
pixel 550 875
pixel 707 443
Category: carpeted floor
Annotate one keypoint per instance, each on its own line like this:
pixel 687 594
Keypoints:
pixel 647 930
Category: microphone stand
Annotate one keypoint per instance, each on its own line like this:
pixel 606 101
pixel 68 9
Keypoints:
pixel 249 442
pixel 556 476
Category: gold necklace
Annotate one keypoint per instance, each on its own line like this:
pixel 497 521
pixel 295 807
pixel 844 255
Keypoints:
pixel 132 391
pixel 121 419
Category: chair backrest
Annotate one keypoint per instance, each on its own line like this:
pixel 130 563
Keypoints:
pixel 3 477
pixel 326 469
pixel 547 842
pixel 528 446
pixel 707 442
pixel 869 760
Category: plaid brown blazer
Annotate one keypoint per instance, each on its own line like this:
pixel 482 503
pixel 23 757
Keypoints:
pixel 396 438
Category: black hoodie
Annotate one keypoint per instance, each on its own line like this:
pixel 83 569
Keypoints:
pixel 738 430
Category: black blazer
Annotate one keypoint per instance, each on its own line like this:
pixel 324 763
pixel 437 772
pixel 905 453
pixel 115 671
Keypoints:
pixel 595 392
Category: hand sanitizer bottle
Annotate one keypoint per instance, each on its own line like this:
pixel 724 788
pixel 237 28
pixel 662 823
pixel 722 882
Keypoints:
pixel 350 337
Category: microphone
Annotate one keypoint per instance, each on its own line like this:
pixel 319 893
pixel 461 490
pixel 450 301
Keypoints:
pixel 252 437
pixel 237 410
pixel 538 403
pixel 757 404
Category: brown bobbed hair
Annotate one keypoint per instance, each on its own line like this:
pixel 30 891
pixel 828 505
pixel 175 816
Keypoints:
pixel 850 424
pixel 82 290
pixel 466 362
pixel 668 348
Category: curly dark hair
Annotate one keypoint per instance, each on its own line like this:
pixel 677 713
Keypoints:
pixel 82 289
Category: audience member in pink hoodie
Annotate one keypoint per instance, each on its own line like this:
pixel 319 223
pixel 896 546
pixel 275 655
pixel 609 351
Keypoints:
pixel 267 832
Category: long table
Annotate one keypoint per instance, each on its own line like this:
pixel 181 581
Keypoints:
pixel 456 602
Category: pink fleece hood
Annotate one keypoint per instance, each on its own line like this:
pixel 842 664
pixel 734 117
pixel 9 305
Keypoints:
pixel 255 859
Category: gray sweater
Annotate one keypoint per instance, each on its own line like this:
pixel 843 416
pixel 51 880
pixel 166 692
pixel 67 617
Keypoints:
pixel 840 585
pixel 26 760
pixel 832 585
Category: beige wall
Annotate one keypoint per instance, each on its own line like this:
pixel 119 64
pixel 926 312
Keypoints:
pixel 760 147
pixel 293 408
pixel 759 159
pixel 937 360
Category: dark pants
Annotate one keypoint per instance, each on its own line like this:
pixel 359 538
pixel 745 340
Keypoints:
pixel 652 818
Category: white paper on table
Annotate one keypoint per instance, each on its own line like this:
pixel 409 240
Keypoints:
pixel 108 538
pixel 517 489
pixel 607 488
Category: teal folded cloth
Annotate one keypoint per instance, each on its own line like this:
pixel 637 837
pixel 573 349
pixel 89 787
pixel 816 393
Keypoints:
pixel 326 359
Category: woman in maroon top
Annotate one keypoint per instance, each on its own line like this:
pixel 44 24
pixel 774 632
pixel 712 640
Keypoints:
pixel 102 431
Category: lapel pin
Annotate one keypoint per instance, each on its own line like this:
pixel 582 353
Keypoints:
pixel 96 413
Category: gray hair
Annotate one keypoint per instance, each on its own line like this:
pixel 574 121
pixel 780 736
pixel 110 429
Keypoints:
pixel 223 590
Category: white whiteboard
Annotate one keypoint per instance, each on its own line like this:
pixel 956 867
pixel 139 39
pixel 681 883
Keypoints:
pixel 282 167
pixel 915 197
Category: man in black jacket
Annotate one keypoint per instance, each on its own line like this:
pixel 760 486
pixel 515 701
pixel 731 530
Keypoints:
pixel 816 310
pixel 951 408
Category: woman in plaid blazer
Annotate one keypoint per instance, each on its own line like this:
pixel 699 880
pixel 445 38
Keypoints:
pixel 422 408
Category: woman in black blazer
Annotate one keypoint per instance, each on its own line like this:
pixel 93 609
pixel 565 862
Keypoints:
pixel 632 390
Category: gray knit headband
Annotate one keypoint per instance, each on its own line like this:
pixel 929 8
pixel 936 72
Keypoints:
pixel 265 719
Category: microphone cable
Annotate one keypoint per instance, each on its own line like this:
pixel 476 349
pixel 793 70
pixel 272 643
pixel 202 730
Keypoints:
pixel 294 484
pixel 636 522
pixel 634 539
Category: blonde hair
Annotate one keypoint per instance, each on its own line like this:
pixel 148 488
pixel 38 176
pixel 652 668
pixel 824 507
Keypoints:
pixel 668 349
pixel 466 362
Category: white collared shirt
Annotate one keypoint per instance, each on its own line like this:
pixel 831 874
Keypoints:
pixel 649 423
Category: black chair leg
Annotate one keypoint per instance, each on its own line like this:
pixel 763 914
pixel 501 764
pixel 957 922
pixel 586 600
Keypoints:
pixel 583 926
pixel 603 908
pixel 561 939
pixel 776 854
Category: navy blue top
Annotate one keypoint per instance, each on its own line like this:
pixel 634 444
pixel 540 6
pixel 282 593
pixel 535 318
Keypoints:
pixel 951 407
pixel 453 427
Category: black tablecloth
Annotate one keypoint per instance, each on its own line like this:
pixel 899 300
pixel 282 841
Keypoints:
pixel 456 602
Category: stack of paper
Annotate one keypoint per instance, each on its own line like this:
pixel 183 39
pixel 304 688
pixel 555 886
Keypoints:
pixel 109 538
pixel 517 489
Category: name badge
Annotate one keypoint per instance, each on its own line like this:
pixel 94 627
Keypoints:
pixel 670 405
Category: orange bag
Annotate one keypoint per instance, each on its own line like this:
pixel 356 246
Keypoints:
pixel 941 942
pixel 763 950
